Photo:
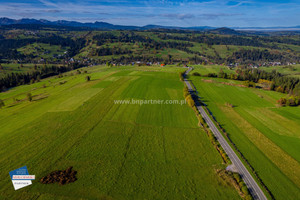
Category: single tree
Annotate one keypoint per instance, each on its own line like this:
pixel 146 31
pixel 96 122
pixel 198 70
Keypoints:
pixel 29 96
pixel 1 103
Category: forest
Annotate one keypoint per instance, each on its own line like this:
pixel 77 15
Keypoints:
pixel 16 79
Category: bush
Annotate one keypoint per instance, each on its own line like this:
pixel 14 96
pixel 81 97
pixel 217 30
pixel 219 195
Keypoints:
pixel 290 101
pixel 248 197
pixel 237 177
pixel 282 101
pixel 229 105
pixel 62 82
pixel 185 92
pixel 279 89
pixel 249 84
pixel 87 78
pixel 211 75
pixel 196 74
pixel 29 96
pixel 190 100
pixel 181 75
pixel 1 103
pixel 245 190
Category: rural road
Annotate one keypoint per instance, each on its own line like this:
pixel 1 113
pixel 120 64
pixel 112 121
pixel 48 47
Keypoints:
pixel 253 187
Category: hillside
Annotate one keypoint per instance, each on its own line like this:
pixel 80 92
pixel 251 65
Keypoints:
pixel 58 45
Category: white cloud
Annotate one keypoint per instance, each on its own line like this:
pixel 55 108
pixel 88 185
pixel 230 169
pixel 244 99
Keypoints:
pixel 175 13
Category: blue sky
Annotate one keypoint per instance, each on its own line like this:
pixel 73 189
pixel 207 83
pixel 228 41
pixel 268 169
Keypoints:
pixel 219 13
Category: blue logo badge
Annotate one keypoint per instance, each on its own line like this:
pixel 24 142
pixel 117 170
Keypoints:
pixel 21 178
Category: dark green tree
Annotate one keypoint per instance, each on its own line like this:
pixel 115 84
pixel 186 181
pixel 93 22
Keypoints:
pixel 1 103
pixel 29 96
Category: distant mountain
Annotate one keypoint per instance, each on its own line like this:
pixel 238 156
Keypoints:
pixel 108 26
pixel 7 21
pixel 98 25
pixel 152 26
pixel 277 28
pixel 199 28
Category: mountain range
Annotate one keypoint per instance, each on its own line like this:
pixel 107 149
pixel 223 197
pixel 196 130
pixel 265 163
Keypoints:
pixel 105 25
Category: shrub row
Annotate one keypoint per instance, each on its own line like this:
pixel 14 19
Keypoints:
pixel 189 99
pixel 196 74
pixel 237 182
pixel 181 75
pixel 289 101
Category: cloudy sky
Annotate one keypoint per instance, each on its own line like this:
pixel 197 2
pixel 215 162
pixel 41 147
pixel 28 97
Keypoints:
pixel 219 13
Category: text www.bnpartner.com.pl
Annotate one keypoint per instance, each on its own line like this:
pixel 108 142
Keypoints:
pixel 149 102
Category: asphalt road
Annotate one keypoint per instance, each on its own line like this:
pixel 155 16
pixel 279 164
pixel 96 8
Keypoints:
pixel 253 187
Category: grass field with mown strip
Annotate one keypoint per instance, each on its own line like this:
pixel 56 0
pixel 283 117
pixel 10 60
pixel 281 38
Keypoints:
pixel 268 136
pixel 16 68
pixel 43 50
pixel 205 69
pixel 120 151
pixel 291 70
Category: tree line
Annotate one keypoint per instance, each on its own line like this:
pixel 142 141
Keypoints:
pixel 16 79
pixel 124 37
pixel 278 82
pixel 112 51
pixel 212 39
pixel 254 55
pixel 146 42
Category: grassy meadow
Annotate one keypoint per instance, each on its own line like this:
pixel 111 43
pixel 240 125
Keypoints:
pixel 291 70
pixel 15 68
pixel 120 151
pixel 42 50
pixel 205 69
pixel 267 135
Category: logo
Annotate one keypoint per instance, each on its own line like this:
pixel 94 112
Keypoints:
pixel 20 178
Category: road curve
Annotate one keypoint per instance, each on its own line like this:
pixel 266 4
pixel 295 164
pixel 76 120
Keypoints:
pixel 253 187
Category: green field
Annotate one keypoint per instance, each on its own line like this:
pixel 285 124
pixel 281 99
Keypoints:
pixel 120 151
pixel 18 68
pixel 15 68
pixel 291 70
pixel 267 135
pixel 205 69
pixel 42 50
